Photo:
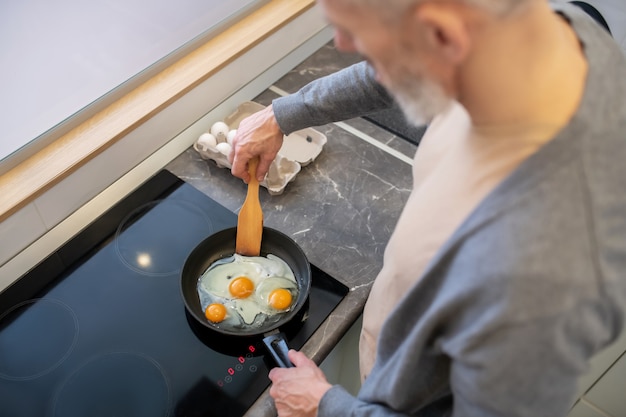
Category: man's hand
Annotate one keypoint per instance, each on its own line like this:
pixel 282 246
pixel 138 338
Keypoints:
pixel 298 391
pixel 257 135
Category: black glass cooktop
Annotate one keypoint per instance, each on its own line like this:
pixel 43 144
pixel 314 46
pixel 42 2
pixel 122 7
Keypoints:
pixel 100 329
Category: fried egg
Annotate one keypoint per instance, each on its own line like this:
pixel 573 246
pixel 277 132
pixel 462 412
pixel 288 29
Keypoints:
pixel 254 290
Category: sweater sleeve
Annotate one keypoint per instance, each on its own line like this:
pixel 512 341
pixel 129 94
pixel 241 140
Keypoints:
pixel 348 93
pixel 338 402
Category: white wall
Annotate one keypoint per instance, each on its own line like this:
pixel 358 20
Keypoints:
pixel 87 48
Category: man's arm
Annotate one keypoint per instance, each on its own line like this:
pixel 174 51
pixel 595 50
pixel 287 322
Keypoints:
pixel 348 93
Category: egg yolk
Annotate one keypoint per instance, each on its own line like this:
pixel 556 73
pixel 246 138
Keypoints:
pixel 241 287
pixel 215 312
pixel 280 299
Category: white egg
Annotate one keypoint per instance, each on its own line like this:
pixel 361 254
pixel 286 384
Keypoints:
pixel 265 273
pixel 231 135
pixel 207 140
pixel 220 131
pixel 223 148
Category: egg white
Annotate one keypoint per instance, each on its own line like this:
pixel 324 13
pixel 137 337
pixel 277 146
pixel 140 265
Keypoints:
pixel 266 273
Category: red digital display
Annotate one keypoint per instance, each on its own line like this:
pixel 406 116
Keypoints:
pixel 239 367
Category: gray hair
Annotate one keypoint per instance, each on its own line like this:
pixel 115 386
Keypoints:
pixel 392 8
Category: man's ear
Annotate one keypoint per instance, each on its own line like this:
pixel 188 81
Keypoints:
pixel 444 30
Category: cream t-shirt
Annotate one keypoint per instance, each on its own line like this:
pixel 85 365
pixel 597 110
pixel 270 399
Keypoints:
pixel 454 168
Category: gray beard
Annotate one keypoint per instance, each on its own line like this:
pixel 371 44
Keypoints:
pixel 420 100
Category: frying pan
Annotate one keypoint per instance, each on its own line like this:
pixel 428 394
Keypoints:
pixel 221 245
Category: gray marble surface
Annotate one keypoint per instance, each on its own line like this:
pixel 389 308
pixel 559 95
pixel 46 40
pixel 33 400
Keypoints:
pixel 341 209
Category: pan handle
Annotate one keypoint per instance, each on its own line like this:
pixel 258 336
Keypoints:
pixel 276 344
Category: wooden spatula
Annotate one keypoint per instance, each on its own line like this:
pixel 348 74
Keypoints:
pixel 250 222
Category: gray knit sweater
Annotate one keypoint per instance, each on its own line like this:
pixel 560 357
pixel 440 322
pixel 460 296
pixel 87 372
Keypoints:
pixel 506 317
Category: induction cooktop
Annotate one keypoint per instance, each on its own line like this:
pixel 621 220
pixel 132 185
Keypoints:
pixel 99 328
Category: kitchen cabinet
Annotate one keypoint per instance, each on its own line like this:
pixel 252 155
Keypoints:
pixel 341 366
pixel 609 392
pixel 582 409
pixel 603 387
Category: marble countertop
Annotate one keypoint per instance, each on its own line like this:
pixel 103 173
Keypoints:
pixel 341 208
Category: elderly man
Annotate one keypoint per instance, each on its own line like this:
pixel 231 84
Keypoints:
pixel 505 273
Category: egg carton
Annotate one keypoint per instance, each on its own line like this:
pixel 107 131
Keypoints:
pixel 298 150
